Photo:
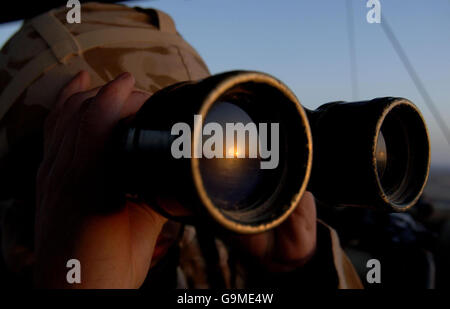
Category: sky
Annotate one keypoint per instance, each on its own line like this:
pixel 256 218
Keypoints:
pixel 305 44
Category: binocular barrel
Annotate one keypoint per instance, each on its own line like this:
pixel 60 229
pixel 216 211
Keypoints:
pixel 372 153
pixel 177 155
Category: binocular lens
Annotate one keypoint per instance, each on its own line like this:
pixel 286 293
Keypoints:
pixel 236 181
pixel 381 155
pixel 250 186
pixel 402 155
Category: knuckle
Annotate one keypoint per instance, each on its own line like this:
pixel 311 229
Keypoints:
pixel 112 90
pixel 67 91
pixel 75 98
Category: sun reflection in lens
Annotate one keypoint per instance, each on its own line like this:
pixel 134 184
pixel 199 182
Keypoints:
pixel 381 155
pixel 233 152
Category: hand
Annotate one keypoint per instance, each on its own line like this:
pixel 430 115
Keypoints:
pixel 288 246
pixel 114 248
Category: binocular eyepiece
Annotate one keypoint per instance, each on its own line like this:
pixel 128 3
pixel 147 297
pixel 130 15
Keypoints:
pixel 238 147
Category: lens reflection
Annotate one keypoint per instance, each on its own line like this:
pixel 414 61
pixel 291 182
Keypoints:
pixel 381 155
pixel 230 182
pixel 407 155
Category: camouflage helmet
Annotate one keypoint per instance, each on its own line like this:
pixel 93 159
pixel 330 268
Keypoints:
pixel 47 52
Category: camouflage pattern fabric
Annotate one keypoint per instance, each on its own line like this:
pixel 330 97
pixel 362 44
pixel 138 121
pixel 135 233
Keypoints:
pixel 47 52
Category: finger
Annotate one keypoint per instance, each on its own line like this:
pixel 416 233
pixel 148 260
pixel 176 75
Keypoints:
pixel 303 218
pixel 301 228
pixel 79 83
pixel 101 117
pixel 134 103
pixel 59 158
pixel 70 108
pixel 64 158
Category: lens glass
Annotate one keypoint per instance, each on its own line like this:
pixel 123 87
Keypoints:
pixel 392 168
pixel 256 154
pixel 381 155
pixel 235 180
pixel 402 155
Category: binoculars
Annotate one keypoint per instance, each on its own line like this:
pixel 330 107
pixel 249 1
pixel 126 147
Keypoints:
pixel 368 154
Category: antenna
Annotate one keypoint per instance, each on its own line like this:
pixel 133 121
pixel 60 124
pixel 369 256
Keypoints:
pixel 352 48
pixel 416 79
